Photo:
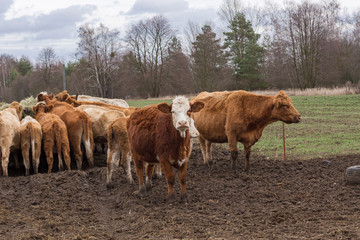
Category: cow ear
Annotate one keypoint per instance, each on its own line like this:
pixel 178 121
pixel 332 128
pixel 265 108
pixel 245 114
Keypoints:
pixel 197 106
pixel 51 96
pixel 164 107
pixel 49 108
pixel 40 97
pixel 34 108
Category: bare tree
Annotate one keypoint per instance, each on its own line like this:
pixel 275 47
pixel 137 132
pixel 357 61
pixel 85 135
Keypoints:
pixel 47 60
pixel 149 41
pixel 100 48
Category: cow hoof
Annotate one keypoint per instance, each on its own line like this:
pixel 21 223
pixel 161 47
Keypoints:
pixel 184 198
pixel 171 198
pixel 109 185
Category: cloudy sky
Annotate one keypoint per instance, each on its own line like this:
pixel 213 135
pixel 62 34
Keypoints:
pixel 28 26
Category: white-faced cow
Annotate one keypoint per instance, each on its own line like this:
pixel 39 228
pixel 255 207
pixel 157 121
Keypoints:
pixel 161 134
pixel 239 116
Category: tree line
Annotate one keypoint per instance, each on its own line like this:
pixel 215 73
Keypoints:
pixel 301 45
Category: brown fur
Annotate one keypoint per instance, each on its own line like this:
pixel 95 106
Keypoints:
pixel 239 116
pixel 31 136
pixel 79 127
pixel 54 134
pixel 65 97
pixel 118 141
pixel 154 139
pixel 9 134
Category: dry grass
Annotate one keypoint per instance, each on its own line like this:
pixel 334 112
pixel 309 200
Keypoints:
pixel 314 91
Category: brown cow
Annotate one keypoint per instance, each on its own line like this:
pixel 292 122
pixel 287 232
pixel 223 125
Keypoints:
pixel 239 116
pixel 65 97
pixel 161 134
pixel 30 138
pixel 9 134
pixel 118 141
pixel 54 134
pixel 79 127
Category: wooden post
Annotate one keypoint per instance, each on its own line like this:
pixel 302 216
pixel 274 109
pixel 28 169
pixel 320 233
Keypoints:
pixel 284 139
pixel 64 78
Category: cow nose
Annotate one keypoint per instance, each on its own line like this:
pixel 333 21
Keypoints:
pixel 183 123
pixel 298 118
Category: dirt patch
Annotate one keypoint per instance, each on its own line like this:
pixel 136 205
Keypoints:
pixel 291 199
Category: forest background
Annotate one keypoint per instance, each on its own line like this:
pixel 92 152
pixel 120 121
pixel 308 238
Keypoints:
pixel 303 45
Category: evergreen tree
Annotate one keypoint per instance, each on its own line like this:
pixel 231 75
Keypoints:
pixel 24 66
pixel 208 60
pixel 244 53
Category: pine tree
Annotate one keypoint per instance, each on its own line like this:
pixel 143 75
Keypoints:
pixel 208 60
pixel 244 53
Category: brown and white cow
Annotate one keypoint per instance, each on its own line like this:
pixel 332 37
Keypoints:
pixel 55 136
pixel 30 138
pixel 9 133
pixel 239 116
pixel 78 125
pixel 161 134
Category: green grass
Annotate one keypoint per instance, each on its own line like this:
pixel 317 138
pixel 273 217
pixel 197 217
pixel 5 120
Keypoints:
pixel 330 126
pixel 143 103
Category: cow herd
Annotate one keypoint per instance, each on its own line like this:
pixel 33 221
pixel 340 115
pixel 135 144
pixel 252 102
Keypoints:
pixel 152 136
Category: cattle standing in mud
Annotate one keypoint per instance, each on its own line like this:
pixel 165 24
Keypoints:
pixel 31 136
pixel 9 134
pixel 160 134
pixel 239 116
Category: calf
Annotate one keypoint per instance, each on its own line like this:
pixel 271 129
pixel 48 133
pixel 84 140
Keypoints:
pixel 9 133
pixel 30 138
pixel 161 134
pixel 54 134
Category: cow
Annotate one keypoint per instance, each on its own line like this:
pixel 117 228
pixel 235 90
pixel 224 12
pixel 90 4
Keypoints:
pixel 78 125
pixel 65 97
pixel 30 138
pixel 160 134
pixel 9 134
pixel 118 141
pixel 54 134
pixel 239 116
pixel 112 101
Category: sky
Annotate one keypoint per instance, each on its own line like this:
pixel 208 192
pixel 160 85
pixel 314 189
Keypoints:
pixel 28 26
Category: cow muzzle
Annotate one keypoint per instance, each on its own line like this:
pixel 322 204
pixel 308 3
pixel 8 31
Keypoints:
pixel 182 126
pixel 297 119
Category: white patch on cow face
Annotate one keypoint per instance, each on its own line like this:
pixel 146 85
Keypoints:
pixel 179 110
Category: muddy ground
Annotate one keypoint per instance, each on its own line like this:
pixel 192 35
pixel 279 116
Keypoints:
pixel 291 199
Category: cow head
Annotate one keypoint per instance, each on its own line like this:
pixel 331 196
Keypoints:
pixel 180 110
pixel 41 107
pixel 18 108
pixel 43 96
pixel 284 110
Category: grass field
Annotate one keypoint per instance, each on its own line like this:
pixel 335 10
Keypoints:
pixel 330 126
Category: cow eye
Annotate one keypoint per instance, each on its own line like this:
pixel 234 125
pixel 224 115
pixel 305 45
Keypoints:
pixel 285 106
pixel 172 111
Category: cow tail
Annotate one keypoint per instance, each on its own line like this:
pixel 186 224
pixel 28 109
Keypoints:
pixel 31 133
pixel 58 140
pixel 88 139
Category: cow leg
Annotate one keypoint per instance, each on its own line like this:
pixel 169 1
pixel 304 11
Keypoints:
pixel 127 157
pixel 208 146
pixel 149 173
pixel 170 178
pixel 89 149
pixel 66 156
pixel 203 148
pixel 5 152
pixel 25 149
pixel 49 159
pixel 233 149
pixel 36 156
pixel 182 178
pixel 247 151
pixel 75 145
pixel 111 162
pixel 139 167
pixel 16 157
